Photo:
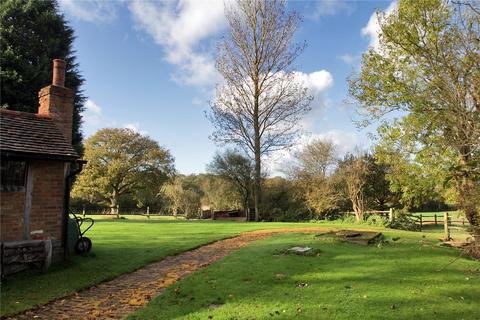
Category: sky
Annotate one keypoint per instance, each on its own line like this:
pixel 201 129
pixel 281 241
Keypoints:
pixel 150 66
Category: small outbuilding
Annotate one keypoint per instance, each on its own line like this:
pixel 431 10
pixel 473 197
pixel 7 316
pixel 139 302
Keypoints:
pixel 37 165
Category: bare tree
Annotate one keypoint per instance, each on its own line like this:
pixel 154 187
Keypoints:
pixel 355 169
pixel 310 171
pixel 261 101
pixel 317 158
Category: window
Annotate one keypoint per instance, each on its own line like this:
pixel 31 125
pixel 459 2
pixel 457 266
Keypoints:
pixel 13 175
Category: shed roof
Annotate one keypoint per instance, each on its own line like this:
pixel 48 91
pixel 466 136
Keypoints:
pixel 33 136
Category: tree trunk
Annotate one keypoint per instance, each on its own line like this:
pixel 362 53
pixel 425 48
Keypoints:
pixel 257 183
pixel 358 210
pixel 468 194
pixel 257 152
pixel 113 203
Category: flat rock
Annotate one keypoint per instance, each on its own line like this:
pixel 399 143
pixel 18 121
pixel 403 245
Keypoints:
pixel 300 249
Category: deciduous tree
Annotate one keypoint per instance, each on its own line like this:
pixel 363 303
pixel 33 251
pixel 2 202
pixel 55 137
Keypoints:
pixel 355 170
pixel 183 196
pixel 121 161
pixel 428 66
pixel 311 171
pixel 260 103
pixel 238 170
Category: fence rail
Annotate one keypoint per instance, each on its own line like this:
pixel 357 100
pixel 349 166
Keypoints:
pixel 438 219
pixel 422 220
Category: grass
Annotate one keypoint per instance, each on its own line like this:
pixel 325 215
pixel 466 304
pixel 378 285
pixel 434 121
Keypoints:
pixel 399 280
pixel 454 214
pixel 119 246
pixel 123 245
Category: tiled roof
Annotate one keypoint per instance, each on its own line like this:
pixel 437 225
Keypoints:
pixel 32 135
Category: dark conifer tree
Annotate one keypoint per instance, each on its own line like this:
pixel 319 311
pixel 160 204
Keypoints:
pixel 32 34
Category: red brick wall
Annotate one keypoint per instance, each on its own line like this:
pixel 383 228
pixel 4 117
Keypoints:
pixel 47 198
pixel 47 204
pixel 11 215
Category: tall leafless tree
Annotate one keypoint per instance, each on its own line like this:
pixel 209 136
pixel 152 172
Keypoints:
pixel 261 101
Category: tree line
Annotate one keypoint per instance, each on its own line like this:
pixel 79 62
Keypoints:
pixel 130 170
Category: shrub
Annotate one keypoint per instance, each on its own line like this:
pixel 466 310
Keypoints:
pixel 375 220
pixel 403 222
pixel 349 219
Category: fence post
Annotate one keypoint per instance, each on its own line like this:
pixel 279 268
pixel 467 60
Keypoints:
pixel 83 211
pixel 435 219
pixel 390 215
pixel 446 229
pixel 118 211
pixel 421 222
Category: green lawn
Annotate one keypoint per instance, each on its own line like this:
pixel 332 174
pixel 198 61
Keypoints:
pixel 119 246
pixel 124 245
pixel 400 280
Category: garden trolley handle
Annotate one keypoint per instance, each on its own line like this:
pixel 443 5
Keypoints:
pixel 83 244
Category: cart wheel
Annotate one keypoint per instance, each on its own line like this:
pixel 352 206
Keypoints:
pixel 83 245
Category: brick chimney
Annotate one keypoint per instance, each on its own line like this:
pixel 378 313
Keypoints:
pixel 56 101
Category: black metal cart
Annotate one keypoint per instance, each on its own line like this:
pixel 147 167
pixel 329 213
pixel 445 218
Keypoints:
pixel 83 244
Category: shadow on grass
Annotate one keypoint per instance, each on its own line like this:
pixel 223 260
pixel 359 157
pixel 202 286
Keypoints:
pixel 397 281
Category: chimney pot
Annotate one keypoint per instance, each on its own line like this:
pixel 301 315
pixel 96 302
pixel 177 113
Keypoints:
pixel 58 73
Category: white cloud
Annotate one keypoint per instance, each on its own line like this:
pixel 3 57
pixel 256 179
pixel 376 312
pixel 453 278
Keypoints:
pixel 92 10
pixel 325 8
pixel 372 29
pixel 349 59
pixel 94 119
pixel 317 82
pixel 180 27
pixel 345 142
pixel 91 106
pixel 135 127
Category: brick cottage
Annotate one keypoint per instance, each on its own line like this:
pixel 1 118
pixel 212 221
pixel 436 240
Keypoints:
pixel 37 164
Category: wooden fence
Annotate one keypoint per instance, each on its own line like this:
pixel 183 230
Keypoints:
pixel 437 219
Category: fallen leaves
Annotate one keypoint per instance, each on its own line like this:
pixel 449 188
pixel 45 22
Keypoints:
pixel 301 285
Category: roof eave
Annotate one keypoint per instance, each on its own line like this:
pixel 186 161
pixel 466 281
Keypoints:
pixel 18 155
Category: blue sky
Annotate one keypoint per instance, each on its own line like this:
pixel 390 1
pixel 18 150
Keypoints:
pixel 149 66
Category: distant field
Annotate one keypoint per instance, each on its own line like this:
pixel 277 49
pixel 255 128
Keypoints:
pixel 454 214
pixel 152 217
